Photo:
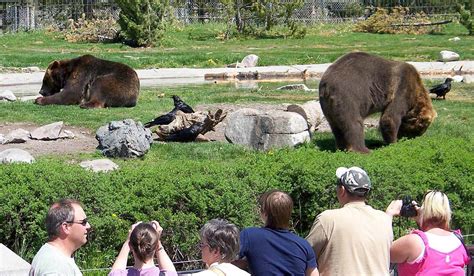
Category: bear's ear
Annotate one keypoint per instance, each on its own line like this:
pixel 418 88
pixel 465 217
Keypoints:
pixel 54 64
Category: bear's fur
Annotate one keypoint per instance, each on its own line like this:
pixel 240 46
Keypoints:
pixel 359 84
pixel 90 82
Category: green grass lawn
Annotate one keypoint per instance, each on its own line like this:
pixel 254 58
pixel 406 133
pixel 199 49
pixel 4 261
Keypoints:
pixel 198 46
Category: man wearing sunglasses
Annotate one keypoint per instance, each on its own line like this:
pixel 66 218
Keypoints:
pixel 67 227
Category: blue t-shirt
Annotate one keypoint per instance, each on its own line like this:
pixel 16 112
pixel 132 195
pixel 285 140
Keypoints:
pixel 275 252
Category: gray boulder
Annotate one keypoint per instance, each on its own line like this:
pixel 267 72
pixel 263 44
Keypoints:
pixel 16 156
pixel 266 130
pixel 124 139
pixel 311 112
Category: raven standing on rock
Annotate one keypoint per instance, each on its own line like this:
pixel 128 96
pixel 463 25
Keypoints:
pixel 441 89
pixel 179 104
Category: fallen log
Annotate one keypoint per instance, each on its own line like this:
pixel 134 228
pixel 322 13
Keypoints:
pixel 422 24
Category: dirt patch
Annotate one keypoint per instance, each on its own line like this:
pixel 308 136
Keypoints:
pixel 85 141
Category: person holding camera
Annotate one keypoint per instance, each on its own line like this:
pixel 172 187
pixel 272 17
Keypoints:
pixel 144 242
pixel 354 239
pixel 433 249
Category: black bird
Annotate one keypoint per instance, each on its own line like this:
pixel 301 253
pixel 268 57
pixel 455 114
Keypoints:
pixel 441 89
pixel 187 134
pixel 178 103
pixel 163 119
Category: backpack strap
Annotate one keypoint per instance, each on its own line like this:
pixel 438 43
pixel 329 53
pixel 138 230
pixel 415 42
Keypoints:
pixel 217 271
pixel 458 235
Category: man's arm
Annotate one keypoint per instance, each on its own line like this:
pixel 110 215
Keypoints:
pixel 317 237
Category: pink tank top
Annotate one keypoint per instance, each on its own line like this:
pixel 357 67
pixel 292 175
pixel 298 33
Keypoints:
pixel 436 263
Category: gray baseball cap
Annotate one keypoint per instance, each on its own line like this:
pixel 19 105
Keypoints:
pixel 354 179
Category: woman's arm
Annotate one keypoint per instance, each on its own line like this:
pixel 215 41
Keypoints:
pixel 121 261
pixel 162 258
pixel 406 249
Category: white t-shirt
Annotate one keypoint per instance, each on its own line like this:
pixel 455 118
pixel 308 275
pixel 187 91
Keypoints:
pixel 227 268
pixel 49 261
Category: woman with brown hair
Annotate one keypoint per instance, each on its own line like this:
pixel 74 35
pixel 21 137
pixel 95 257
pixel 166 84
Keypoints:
pixel 144 242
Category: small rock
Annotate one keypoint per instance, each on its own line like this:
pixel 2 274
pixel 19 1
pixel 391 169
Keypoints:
pixel 457 78
pixel 2 139
pixel 66 134
pixel 7 95
pixel 17 136
pixel 15 156
pixel 454 39
pixel 248 61
pixel 468 79
pixel 448 56
pixel 99 165
pixel 295 87
pixel 47 132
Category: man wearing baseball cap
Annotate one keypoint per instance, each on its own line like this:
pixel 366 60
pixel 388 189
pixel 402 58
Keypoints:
pixel 354 239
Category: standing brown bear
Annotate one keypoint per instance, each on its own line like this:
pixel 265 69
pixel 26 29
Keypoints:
pixel 359 84
pixel 90 82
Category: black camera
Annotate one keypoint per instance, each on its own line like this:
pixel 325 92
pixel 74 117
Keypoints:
pixel 408 208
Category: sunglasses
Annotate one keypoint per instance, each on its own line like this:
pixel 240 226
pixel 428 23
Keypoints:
pixel 81 222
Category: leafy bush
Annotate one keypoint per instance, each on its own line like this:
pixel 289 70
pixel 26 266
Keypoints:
pixel 259 18
pixel 91 30
pixel 397 21
pixel 142 21
pixel 465 18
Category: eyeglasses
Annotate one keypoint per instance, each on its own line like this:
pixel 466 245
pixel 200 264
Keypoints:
pixel 82 222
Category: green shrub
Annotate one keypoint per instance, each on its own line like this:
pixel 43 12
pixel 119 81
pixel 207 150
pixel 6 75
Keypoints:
pixel 142 21
pixel 465 18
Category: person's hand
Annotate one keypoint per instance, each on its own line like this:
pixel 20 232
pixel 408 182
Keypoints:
pixel 394 207
pixel 131 229
pixel 157 227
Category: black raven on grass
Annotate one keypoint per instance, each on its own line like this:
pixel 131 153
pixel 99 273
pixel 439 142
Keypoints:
pixel 441 89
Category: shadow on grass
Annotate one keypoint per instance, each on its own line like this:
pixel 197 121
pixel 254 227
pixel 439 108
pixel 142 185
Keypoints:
pixel 329 144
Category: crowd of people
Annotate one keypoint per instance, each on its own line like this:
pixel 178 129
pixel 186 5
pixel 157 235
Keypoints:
pixel 354 239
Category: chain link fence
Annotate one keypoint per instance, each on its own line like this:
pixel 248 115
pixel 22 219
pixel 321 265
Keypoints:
pixel 33 14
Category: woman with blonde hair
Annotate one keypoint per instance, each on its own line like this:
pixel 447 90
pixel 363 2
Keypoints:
pixel 433 249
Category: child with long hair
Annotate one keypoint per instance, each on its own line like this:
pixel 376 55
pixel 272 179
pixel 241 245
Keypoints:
pixel 144 242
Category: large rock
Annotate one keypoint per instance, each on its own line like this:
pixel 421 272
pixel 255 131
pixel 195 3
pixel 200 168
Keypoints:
pixel 11 264
pixel 124 139
pixel 16 156
pixel 311 112
pixel 266 130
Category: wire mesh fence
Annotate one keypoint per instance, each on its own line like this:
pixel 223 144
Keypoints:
pixel 33 14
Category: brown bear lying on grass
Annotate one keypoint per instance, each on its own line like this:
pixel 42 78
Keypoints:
pixel 359 84
pixel 90 82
